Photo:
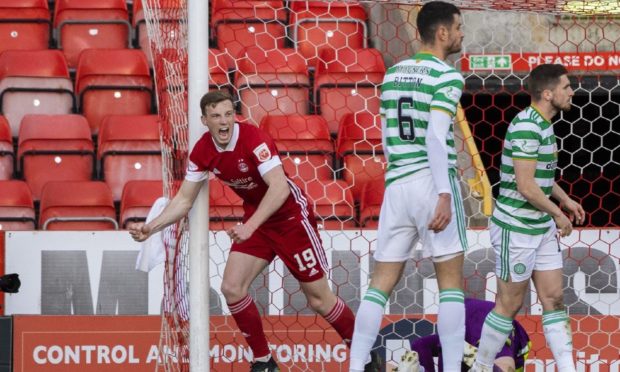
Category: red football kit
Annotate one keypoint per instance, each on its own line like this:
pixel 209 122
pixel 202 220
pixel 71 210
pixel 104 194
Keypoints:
pixel 291 232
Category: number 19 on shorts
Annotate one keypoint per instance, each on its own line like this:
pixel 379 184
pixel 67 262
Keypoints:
pixel 305 260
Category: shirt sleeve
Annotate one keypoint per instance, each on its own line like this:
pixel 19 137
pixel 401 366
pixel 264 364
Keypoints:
pixel 264 153
pixel 196 171
pixel 524 140
pixel 448 92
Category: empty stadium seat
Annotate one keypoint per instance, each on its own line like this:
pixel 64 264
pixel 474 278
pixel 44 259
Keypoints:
pixel 90 24
pixel 370 204
pixel 77 205
pixel 333 203
pixel 318 25
pixel 54 148
pixel 304 145
pixel 34 82
pixel 112 82
pixel 272 82
pixel 137 200
pixel 348 80
pixel 7 155
pixel 129 149
pixel 241 24
pixel 359 146
pixel 219 64
pixel 16 206
pixel 225 207
pixel 24 24
pixel 168 16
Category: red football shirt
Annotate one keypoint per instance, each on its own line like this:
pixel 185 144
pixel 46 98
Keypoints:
pixel 249 155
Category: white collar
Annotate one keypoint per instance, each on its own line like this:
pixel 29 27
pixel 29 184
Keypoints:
pixel 233 140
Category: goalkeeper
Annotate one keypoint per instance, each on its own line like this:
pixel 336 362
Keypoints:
pixel 511 358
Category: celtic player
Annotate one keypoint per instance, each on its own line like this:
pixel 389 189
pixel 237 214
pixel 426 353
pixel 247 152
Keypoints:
pixel 526 224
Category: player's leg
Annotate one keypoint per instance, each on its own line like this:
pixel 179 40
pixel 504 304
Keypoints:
pixel 547 278
pixel 241 269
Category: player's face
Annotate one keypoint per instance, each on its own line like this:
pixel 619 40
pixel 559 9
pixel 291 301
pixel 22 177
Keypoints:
pixel 562 95
pixel 455 40
pixel 220 120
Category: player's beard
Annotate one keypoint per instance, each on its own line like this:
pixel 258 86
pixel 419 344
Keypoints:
pixel 561 107
pixel 456 46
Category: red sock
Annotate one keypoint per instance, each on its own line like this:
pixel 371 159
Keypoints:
pixel 342 319
pixel 248 320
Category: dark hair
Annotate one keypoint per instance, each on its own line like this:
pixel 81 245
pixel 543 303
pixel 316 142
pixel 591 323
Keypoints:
pixel 432 15
pixel 545 76
pixel 213 98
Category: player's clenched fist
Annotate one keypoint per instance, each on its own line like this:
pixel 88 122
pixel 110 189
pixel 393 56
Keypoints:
pixel 240 233
pixel 140 233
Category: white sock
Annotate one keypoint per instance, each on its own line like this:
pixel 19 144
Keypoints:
pixel 495 332
pixel 451 328
pixel 367 325
pixel 556 326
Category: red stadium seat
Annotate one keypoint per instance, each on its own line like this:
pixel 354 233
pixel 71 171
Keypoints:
pixel 137 200
pixel 370 203
pixel 112 82
pixel 7 155
pixel 225 207
pixel 16 206
pixel 129 149
pixel 333 203
pixel 241 24
pixel 77 205
pixel 318 25
pixel 304 145
pixel 219 64
pixel 24 24
pixel 348 80
pixel 90 24
pixel 54 148
pixel 34 82
pixel 272 82
pixel 168 15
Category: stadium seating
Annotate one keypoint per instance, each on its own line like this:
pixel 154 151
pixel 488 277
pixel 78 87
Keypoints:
pixel 225 207
pixel 54 148
pixel 77 205
pixel 167 15
pixel 348 80
pixel 370 203
pixel 304 145
pixel 278 80
pixel 219 64
pixel 24 24
pixel 359 146
pixel 129 149
pixel 90 24
pixel 137 200
pixel 333 203
pixel 7 155
pixel 34 82
pixel 112 82
pixel 241 24
pixel 318 25
pixel 16 206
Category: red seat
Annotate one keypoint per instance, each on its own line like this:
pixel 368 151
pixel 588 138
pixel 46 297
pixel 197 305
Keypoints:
pixel 7 155
pixel 272 82
pixel 241 24
pixel 333 203
pixel 16 206
pixel 77 205
pixel 219 64
pixel 304 144
pixel 112 82
pixel 129 149
pixel 137 200
pixel 370 203
pixel 225 207
pixel 90 24
pixel 318 25
pixel 24 24
pixel 348 80
pixel 168 15
pixel 34 82
pixel 54 148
